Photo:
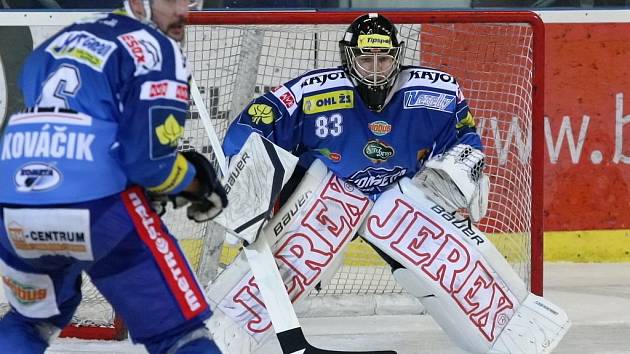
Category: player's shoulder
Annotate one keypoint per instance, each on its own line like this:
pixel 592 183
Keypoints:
pixel 93 41
pixel 424 87
pixel 320 80
pixel 106 25
pixel 148 48
pixel 413 76
pixel 89 41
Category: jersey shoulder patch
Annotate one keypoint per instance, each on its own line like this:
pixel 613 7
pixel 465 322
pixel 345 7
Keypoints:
pixel 83 47
pixel 422 76
pixel 145 50
pixel 427 88
pixel 286 97
pixel 319 80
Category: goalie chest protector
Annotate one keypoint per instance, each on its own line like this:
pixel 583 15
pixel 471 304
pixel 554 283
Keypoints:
pixel 319 115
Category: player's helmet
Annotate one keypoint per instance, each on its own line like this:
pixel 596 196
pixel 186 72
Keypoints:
pixel 192 5
pixel 370 54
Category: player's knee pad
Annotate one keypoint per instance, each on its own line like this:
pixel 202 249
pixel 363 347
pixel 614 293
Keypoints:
pixel 19 335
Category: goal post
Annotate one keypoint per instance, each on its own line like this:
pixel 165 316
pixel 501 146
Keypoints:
pixel 496 56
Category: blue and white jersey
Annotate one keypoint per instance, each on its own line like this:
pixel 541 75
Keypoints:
pixel 109 97
pixel 319 115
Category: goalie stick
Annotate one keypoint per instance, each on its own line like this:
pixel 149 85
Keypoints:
pixel 262 262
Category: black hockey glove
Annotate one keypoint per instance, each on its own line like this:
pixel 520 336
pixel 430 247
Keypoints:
pixel 206 203
pixel 211 198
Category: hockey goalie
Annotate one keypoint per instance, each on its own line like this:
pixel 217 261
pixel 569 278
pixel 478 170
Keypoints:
pixel 436 255
pixel 388 152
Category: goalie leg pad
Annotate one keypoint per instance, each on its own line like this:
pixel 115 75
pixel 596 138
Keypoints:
pixel 308 233
pixel 410 282
pixel 534 328
pixel 476 294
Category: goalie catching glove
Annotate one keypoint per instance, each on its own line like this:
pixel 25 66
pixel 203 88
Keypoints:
pixel 203 205
pixel 455 180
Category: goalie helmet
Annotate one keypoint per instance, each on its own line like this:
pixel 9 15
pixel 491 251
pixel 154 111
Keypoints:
pixel 370 55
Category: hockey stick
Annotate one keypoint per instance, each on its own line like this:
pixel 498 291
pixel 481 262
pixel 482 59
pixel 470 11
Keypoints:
pixel 264 267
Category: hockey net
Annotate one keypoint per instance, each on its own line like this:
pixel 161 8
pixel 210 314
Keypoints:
pixel 497 59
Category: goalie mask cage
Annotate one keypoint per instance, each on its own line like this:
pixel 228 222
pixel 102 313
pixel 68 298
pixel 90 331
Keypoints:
pixel 497 58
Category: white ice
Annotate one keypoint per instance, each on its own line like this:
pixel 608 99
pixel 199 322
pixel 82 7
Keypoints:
pixel 596 297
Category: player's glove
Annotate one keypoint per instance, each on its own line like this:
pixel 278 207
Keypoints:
pixel 203 205
pixel 211 198
pixel 455 180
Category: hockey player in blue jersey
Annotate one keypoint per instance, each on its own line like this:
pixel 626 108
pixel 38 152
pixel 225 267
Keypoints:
pixel 107 99
pixel 371 120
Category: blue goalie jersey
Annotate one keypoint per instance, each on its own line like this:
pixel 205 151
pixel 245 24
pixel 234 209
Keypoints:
pixel 319 115
pixel 107 101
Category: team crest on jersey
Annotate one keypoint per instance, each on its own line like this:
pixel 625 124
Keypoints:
pixel 380 128
pixel 169 132
pixel 376 179
pixel 261 113
pixel 82 47
pixel 144 49
pixel 429 99
pixel 378 151
pixel 167 129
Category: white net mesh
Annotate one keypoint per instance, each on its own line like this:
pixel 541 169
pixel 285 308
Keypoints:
pixel 493 63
